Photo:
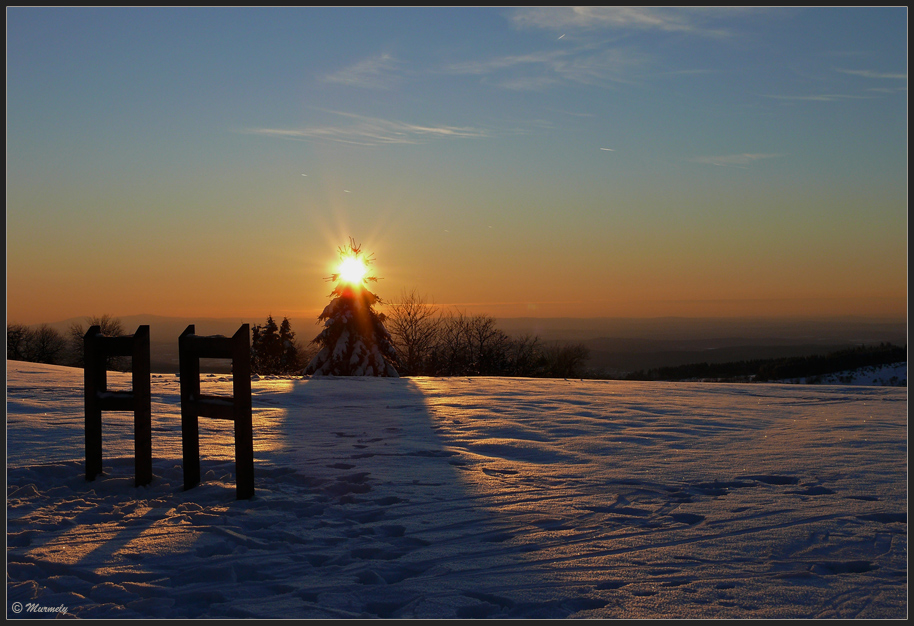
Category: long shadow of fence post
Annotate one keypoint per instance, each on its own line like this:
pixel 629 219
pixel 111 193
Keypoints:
pixel 191 348
pixel 98 348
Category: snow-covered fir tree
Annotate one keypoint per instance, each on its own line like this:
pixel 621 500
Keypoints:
pixel 354 341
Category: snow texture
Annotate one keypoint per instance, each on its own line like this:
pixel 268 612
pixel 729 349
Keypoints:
pixel 467 498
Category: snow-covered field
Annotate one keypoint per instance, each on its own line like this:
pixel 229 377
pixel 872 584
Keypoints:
pixel 463 498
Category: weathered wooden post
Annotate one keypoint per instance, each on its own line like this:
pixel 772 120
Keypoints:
pixel 97 349
pixel 192 348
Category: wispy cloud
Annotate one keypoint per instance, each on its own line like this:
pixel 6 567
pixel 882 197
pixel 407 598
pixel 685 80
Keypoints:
pixel 873 74
pixel 735 160
pixel 535 71
pixel 820 97
pixel 599 58
pixel 665 19
pixel 377 72
pixel 529 83
pixel 489 66
pixel 887 90
pixel 870 93
pixel 371 131
pixel 541 70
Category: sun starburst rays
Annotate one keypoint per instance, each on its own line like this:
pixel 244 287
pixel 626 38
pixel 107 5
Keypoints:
pixel 352 270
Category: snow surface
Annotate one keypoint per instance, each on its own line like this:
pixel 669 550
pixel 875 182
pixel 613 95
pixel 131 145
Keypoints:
pixel 467 498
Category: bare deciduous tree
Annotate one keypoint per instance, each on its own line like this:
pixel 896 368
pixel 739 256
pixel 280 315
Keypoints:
pixel 110 327
pixel 414 326
pixel 525 354
pixel 470 345
pixel 16 339
pixel 566 361
pixel 43 344
pixel 48 345
pixel 433 343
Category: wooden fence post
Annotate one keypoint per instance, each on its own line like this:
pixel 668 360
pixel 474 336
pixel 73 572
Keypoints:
pixel 96 380
pixel 191 348
pixel 97 349
pixel 243 412
pixel 189 372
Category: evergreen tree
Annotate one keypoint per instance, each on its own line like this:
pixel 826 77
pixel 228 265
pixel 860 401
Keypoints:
pixel 354 341
pixel 288 359
pixel 266 348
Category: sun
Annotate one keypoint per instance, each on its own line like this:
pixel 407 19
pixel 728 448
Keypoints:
pixel 352 270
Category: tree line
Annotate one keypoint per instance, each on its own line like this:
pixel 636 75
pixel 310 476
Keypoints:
pixel 46 344
pixel 762 370
pixel 274 349
pixel 431 341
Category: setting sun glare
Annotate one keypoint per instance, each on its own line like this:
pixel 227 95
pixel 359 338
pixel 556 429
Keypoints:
pixel 352 270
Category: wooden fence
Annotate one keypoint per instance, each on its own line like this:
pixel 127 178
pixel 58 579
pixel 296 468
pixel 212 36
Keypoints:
pixel 192 348
pixel 98 348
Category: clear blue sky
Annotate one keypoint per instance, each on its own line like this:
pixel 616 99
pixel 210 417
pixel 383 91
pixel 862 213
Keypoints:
pixel 519 161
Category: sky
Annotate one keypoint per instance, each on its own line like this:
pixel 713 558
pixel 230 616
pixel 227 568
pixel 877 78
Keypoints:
pixel 541 162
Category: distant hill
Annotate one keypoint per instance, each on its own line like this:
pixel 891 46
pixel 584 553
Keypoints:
pixel 717 332
pixel 806 367
pixel 619 346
